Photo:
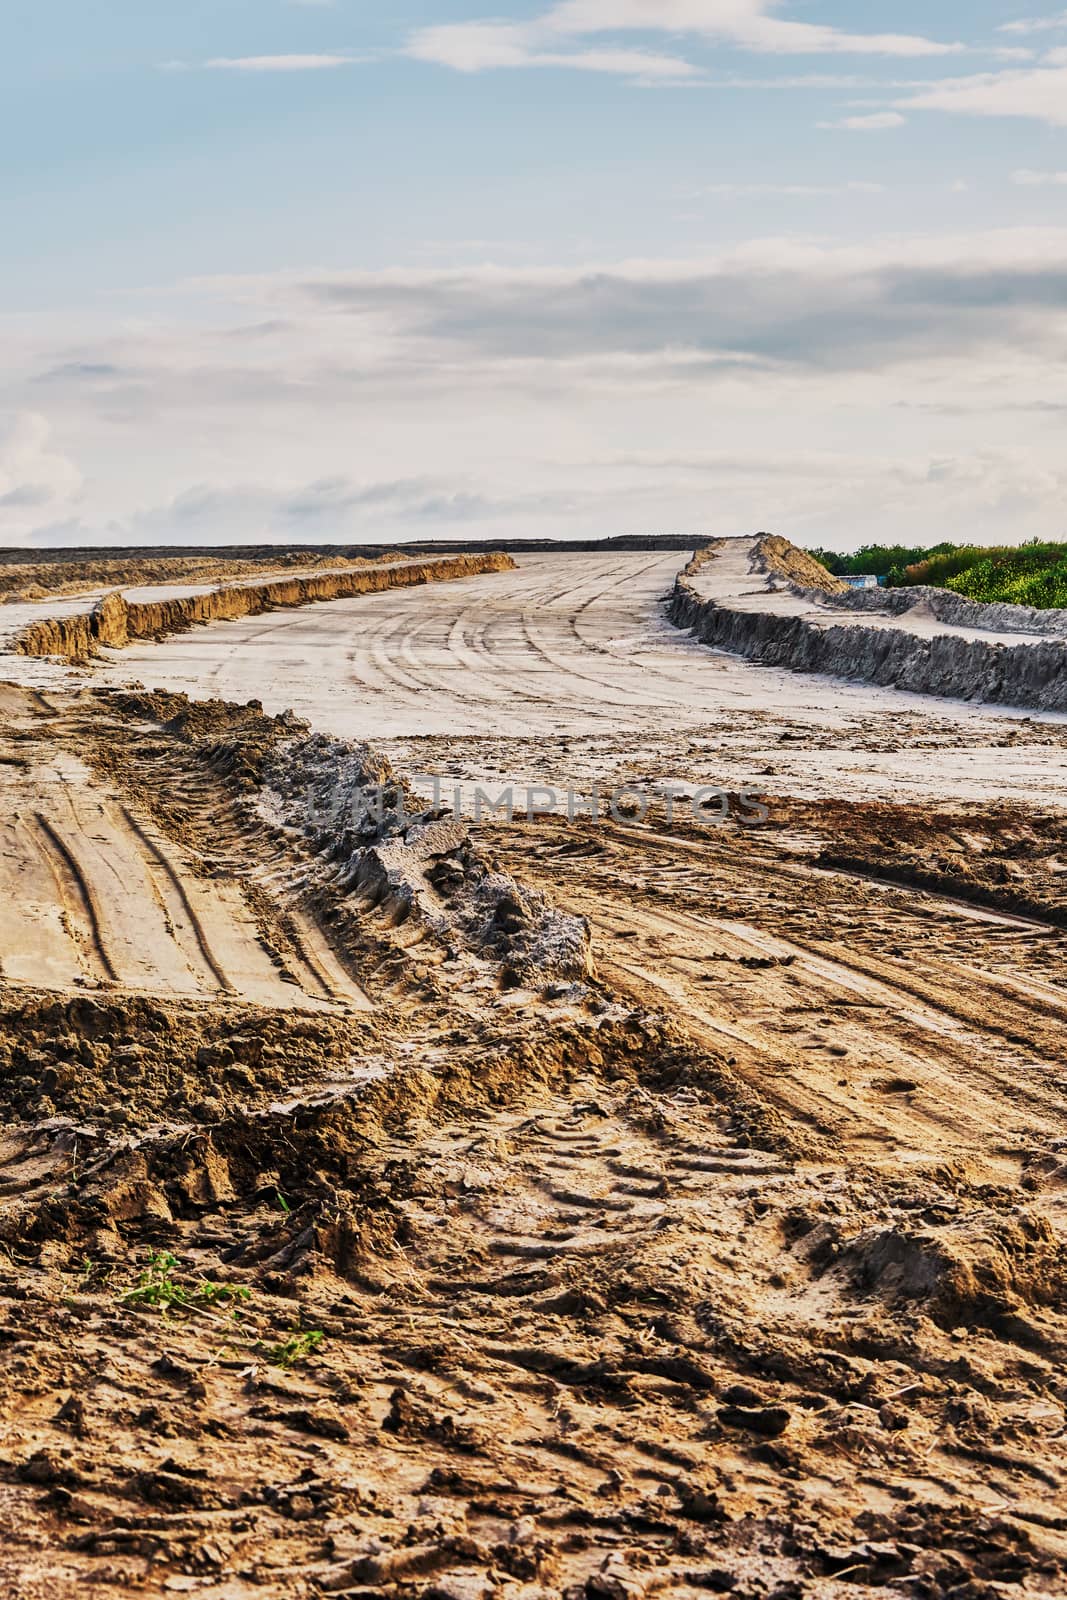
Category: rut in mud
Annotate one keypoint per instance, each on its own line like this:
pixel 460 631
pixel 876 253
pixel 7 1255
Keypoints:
pixel 899 1024
pixel 724 1255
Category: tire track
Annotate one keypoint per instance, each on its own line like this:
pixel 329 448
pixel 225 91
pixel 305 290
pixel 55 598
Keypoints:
pixel 156 857
pixel 864 1048
pixel 82 890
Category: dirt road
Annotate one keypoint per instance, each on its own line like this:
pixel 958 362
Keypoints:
pixel 556 1209
pixel 91 892
pixel 896 1027
pixel 567 670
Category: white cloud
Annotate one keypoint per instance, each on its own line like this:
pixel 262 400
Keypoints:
pixel 1026 179
pixel 1039 93
pixel 628 63
pixel 620 396
pixel 477 47
pixel 292 63
pixel 471 47
pixel 750 24
pixel 871 122
pixel 35 480
pixel 772 305
pixel 1035 24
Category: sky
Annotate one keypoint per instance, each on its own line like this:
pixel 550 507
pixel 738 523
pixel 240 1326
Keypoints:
pixel 321 270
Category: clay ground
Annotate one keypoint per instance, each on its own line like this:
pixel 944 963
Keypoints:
pixel 341 1256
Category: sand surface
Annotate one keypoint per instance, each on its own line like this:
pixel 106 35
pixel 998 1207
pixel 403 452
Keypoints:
pixel 537 675
pixel 729 580
pixel 598 1210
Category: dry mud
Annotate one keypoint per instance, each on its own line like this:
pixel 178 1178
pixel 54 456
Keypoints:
pixel 391 1207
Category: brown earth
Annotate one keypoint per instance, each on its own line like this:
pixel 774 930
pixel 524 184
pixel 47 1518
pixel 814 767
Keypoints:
pixel 780 556
pixel 736 1267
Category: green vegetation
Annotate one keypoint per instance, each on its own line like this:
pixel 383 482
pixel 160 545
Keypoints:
pixel 158 1288
pixel 290 1352
pixel 883 560
pixel 1033 574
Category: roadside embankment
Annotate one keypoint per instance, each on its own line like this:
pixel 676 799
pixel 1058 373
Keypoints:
pixel 114 620
pixel 740 597
pixel 953 609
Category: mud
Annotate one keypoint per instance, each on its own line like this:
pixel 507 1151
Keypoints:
pixel 584 1209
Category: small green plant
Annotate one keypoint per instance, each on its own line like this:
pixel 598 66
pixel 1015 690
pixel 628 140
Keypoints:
pixel 158 1288
pixel 290 1352
pixel 93 1275
pixel 283 1202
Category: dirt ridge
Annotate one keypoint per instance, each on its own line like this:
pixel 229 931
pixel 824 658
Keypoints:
pixel 114 620
pixel 1033 675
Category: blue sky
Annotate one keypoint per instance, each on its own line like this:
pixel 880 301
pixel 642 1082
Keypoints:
pixel 309 270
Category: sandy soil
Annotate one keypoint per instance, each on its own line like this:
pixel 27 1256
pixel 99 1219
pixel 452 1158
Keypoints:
pixel 729 580
pixel 58 591
pixel 91 894
pixel 566 670
pixel 576 1210
pixel 31 580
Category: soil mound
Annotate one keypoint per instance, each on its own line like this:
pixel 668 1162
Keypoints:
pixel 776 555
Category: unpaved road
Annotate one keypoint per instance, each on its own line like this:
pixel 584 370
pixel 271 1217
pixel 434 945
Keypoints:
pixel 566 670
pixel 342 1252
pixel 894 1025
pixel 91 893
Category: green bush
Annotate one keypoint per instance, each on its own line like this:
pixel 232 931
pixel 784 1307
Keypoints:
pixel 880 559
pixel 936 568
pixel 1033 574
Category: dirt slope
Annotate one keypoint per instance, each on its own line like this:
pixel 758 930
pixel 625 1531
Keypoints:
pixel 732 599
pixel 787 561
pixel 29 579
pixel 119 617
